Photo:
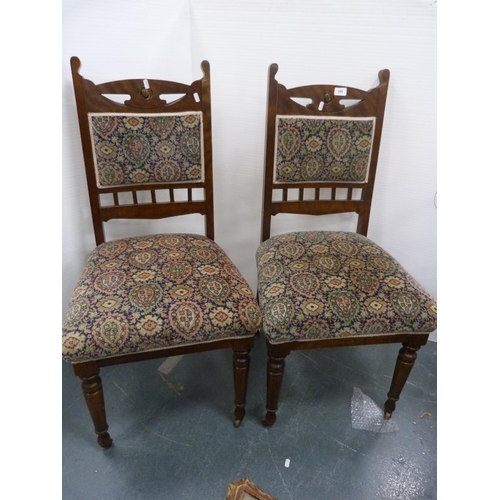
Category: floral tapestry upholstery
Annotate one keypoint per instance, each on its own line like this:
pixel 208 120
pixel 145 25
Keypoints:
pixel 147 148
pixel 322 149
pixel 318 285
pixel 148 293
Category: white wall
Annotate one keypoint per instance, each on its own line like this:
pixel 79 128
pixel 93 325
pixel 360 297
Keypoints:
pixel 342 42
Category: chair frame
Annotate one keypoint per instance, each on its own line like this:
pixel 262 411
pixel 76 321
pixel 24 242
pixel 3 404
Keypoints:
pixel 90 98
pixel 324 104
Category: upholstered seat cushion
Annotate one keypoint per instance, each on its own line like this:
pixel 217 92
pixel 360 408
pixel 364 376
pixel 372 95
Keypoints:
pixel 319 285
pixel 149 293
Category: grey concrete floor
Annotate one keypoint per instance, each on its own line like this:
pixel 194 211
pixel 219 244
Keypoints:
pixel 174 438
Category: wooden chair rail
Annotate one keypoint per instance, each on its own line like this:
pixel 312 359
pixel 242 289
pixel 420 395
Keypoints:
pixel 320 185
pixel 152 187
pixel 316 207
pixel 153 210
pixel 414 339
pixel 241 343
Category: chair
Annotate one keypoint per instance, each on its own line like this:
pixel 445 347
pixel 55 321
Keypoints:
pixel 320 289
pixel 167 294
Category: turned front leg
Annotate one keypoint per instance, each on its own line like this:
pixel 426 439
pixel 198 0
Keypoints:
pixel 94 397
pixel 404 364
pixel 275 372
pixel 241 364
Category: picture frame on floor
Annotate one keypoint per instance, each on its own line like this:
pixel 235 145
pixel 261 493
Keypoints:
pixel 245 489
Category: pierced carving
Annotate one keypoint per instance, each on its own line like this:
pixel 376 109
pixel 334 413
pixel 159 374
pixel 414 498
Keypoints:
pixel 171 97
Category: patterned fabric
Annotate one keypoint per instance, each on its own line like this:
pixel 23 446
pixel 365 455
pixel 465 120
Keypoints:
pixel 323 149
pixel 318 285
pixel 147 148
pixel 148 293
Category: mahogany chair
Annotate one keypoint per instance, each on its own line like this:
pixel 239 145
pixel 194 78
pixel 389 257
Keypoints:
pixel 167 294
pixel 320 289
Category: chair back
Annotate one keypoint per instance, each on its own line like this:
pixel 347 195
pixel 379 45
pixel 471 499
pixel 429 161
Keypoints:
pixel 326 149
pixel 149 157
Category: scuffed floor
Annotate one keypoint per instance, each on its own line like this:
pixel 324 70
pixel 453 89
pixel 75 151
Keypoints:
pixel 174 438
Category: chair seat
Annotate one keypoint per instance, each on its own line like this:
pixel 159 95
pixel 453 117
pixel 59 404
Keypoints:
pixel 316 285
pixel 149 293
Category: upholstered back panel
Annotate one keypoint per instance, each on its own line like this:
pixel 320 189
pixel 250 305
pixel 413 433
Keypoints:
pixel 147 148
pixel 332 149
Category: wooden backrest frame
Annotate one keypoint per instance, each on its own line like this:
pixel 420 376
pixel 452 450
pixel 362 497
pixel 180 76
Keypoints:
pixel 324 104
pixel 90 98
